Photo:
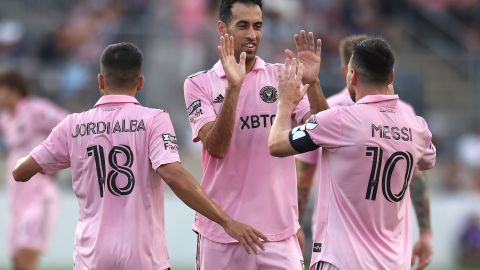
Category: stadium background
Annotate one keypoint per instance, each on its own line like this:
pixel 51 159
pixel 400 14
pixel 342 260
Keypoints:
pixel 57 44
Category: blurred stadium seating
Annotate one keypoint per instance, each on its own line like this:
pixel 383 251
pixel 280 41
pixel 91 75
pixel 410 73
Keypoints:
pixel 57 43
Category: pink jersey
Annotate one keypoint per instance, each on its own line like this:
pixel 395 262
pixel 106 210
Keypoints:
pixel 369 152
pixel 114 150
pixel 341 99
pixel 248 183
pixel 23 129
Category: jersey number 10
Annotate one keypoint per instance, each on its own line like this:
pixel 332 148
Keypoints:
pixel 384 175
pixel 99 153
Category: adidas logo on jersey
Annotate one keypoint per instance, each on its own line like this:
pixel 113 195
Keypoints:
pixel 218 99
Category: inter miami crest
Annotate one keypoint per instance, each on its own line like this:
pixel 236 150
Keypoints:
pixel 268 94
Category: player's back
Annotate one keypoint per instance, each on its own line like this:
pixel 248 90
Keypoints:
pixel 368 167
pixel 113 150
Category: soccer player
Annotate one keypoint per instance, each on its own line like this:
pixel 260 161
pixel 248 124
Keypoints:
pixel 307 164
pixel 231 108
pixel 25 122
pixel 369 152
pixel 119 152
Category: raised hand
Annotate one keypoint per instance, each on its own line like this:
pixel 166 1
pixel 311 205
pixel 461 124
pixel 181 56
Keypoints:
pixel 308 54
pixel 290 89
pixel 235 71
pixel 248 237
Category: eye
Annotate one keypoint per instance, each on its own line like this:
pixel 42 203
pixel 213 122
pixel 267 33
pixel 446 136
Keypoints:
pixel 242 25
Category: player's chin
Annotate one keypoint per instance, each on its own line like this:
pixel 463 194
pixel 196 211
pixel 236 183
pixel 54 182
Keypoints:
pixel 250 55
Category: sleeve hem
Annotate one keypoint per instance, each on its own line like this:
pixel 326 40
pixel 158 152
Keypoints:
pixel 202 122
pixel 157 164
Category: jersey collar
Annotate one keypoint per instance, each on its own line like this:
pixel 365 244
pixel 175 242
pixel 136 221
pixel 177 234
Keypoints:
pixel 218 68
pixel 109 99
pixel 378 98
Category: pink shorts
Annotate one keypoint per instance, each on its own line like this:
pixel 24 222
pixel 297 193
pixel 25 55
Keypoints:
pixel 323 266
pixel 31 227
pixel 281 255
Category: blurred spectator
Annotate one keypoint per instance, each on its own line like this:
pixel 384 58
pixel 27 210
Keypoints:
pixel 452 177
pixel 470 243
pixel 11 33
pixel 468 151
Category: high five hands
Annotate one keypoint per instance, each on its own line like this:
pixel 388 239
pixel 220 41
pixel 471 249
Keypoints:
pixel 290 89
pixel 235 71
pixel 309 55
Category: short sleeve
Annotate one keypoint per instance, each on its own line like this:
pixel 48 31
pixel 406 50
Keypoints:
pixel 162 145
pixel 200 108
pixel 308 157
pixel 428 160
pixel 325 128
pixel 53 154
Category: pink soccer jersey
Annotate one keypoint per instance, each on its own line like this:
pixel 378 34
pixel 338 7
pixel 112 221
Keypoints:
pixel 341 99
pixel 33 205
pixel 114 150
pixel 369 152
pixel 248 183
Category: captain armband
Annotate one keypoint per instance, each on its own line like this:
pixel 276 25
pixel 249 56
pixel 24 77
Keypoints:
pixel 301 140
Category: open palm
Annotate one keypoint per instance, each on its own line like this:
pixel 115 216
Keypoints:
pixel 235 71
pixel 308 54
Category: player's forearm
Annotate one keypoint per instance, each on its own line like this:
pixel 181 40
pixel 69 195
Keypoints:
pixel 305 172
pixel 316 98
pixel 421 201
pixel 190 192
pixel 25 169
pixel 220 135
pixel 278 143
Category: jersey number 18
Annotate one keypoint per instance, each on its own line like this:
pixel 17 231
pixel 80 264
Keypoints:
pixel 111 179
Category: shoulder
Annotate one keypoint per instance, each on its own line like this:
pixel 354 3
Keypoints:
pixel 196 74
pixel 200 80
pixel 405 106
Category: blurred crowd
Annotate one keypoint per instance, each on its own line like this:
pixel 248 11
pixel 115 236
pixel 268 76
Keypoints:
pixel 56 44
pixel 466 14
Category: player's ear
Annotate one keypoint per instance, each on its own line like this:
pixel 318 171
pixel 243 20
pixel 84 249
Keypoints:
pixel 101 82
pixel 140 83
pixel 353 77
pixel 344 71
pixel 390 79
pixel 221 28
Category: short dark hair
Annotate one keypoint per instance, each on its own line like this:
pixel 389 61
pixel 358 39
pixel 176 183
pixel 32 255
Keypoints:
pixel 121 65
pixel 225 12
pixel 15 82
pixel 373 60
pixel 346 47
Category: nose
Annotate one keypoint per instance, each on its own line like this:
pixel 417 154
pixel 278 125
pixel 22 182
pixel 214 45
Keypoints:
pixel 251 33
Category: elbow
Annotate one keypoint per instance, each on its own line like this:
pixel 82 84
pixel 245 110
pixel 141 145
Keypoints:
pixel 19 176
pixel 275 150
pixel 216 153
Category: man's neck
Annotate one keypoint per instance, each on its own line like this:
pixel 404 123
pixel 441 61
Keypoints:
pixel 249 65
pixel 364 91
pixel 131 93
